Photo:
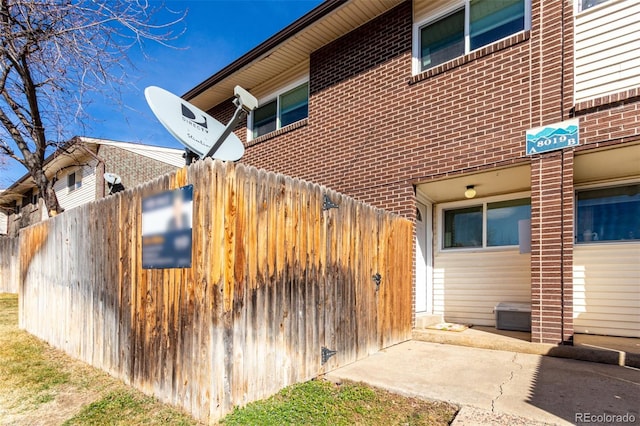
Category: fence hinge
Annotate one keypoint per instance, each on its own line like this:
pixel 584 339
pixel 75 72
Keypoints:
pixel 326 354
pixel 328 204
pixel 377 278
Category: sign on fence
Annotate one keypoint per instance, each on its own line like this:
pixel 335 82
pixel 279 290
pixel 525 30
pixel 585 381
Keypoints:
pixel 166 229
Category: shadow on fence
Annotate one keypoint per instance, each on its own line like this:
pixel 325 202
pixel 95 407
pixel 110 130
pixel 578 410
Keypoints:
pixel 277 275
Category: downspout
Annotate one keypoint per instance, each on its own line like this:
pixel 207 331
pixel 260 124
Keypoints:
pixel 562 177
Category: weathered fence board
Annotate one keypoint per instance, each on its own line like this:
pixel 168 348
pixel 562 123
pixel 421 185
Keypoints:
pixel 275 279
pixel 9 265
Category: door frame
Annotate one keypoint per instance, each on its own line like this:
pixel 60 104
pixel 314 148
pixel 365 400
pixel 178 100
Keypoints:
pixel 424 230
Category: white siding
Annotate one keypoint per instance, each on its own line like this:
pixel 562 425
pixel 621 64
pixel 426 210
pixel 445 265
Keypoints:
pixel 468 285
pixel 82 195
pixel 607 49
pixel 606 289
pixel 3 223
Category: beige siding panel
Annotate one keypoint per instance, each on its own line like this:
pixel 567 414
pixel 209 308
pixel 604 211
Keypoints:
pixel 591 17
pixel 618 53
pixel 3 223
pixel 82 195
pixel 606 289
pixel 423 9
pixel 607 49
pixel 468 285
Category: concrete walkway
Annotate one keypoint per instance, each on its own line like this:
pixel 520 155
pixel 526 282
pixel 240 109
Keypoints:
pixel 501 387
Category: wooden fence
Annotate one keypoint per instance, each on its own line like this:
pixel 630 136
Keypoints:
pixel 275 279
pixel 9 265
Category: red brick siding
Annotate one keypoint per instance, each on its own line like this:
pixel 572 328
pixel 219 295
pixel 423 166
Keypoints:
pixel 552 247
pixel 374 130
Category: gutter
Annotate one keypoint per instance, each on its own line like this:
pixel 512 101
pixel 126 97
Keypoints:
pixel 265 47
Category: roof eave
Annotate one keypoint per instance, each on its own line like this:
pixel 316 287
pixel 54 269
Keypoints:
pixel 264 48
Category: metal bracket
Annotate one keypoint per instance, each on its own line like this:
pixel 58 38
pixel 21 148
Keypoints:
pixel 231 125
pixel 377 279
pixel 328 204
pixel 326 354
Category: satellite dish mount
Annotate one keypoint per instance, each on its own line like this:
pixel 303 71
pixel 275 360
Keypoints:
pixel 202 135
pixel 245 102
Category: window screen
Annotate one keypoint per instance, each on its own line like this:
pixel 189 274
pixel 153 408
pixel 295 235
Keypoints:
pixel 294 105
pixel 492 20
pixel 264 119
pixel 463 227
pixel 442 40
pixel 502 221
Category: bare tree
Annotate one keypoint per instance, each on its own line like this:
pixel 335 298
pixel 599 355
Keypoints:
pixel 52 54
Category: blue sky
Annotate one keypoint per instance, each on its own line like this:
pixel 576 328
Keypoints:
pixel 217 32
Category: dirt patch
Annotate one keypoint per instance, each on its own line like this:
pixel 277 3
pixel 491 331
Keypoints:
pixel 65 404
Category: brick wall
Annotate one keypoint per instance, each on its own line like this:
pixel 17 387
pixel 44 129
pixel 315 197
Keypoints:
pixel 552 247
pixel 374 130
pixel 134 169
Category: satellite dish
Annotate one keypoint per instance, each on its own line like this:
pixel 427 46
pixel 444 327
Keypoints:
pixel 112 178
pixel 114 181
pixel 194 128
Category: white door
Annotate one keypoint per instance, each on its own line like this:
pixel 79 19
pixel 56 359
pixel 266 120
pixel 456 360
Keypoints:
pixel 424 267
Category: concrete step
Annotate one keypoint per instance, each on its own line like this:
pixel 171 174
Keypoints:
pixel 424 320
pixel 478 339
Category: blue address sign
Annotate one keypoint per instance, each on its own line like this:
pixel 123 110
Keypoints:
pixel 552 137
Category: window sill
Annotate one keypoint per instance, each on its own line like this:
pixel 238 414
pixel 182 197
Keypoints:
pixel 491 249
pixel 472 56
pixel 279 132
pixel 604 243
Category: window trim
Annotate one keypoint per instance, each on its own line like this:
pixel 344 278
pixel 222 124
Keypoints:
pixel 77 180
pixel 453 205
pixel 598 185
pixel 70 187
pixel 275 96
pixel 443 13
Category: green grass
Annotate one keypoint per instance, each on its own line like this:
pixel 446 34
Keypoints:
pixel 42 385
pixel 23 364
pixel 127 407
pixel 323 403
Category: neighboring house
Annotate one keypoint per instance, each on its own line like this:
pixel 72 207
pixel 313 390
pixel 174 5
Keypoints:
pixel 78 169
pixel 3 220
pixel 410 105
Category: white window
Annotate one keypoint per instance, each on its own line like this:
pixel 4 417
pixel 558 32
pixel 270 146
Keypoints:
pixel 491 223
pixel 286 108
pixel 608 214
pixel 74 181
pixel 466 26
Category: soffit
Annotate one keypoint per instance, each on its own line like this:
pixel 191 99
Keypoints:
pixel 495 182
pixel 618 162
pixel 292 52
